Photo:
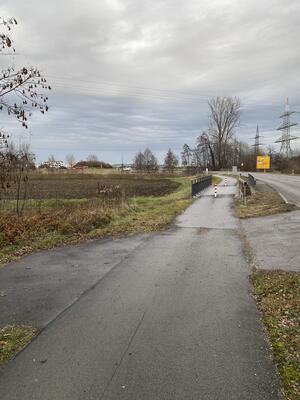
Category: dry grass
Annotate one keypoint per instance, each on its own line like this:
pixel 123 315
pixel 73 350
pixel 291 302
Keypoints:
pixel 216 180
pixel 23 229
pixel 71 221
pixel 13 339
pixel 278 297
pixel 262 204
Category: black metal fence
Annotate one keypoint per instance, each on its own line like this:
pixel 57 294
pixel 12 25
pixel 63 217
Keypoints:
pixel 199 184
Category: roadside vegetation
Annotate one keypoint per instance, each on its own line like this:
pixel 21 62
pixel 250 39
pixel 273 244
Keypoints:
pixel 261 204
pixel 48 222
pixel 216 180
pixel 278 298
pixel 13 339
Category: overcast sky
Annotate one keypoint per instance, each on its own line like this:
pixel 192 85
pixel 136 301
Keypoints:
pixel 127 74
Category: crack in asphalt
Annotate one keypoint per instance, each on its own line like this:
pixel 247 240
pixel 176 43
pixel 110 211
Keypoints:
pixel 123 356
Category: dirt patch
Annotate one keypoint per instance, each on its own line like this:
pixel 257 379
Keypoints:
pixel 78 186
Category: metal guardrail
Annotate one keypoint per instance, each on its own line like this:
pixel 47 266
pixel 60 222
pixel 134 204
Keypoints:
pixel 244 189
pixel 199 184
pixel 251 180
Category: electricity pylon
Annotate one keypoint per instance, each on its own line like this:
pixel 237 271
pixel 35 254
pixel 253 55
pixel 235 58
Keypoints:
pixel 285 127
pixel 257 143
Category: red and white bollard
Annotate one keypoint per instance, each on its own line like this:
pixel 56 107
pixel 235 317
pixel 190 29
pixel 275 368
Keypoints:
pixel 215 190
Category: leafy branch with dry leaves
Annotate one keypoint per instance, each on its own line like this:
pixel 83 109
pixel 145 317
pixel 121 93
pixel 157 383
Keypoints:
pixel 5 40
pixel 21 90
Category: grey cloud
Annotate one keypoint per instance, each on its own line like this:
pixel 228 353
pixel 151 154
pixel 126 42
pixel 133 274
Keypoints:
pixel 127 73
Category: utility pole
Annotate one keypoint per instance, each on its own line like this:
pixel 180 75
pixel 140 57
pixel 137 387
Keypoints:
pixel 285 128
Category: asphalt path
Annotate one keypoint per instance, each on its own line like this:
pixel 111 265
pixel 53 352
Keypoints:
pixel 287 185
pixel 274 240
pixel 37 288
pixel 174 319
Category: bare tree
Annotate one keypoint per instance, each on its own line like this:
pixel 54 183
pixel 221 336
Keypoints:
pixel 171 161
pixel 224 117
pixel 207 150
pixel 70 159
pixel 51 161
pixel 271 150
pixel 197 160
pixel 15 166
pixel 145 161
pixel 151 163
pixel 139 161
pixel 186 155
pixel 92 158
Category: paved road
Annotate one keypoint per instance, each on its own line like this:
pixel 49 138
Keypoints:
pixel 287 185
pixel 275 240
pixel 173 320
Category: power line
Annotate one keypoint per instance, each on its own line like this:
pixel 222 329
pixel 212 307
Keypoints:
pixel 121 85
pixel 108 88
pixel 121 89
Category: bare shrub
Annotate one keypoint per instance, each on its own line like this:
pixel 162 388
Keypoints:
pixel 15 165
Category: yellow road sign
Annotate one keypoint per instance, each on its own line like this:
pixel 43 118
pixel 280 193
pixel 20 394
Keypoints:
pixel 263 162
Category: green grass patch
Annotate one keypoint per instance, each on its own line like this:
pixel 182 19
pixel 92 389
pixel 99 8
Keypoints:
pixel 216 180
pixel 147 214
pixel 261 204
pixel 13 339
pixel 278 298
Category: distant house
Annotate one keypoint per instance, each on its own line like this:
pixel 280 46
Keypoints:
pixel 52 164
pixel 122 167
pixel 79 166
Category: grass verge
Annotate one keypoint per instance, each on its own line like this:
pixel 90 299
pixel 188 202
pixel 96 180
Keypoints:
pixel 262 204
pixel 13 339
pixel 216 180
pixel 73 221
pixel 278 298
